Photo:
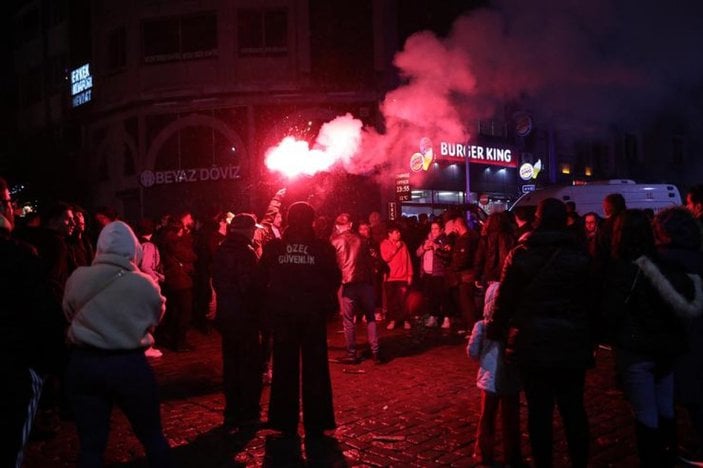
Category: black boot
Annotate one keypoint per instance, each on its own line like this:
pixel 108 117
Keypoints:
pixel 667 434
pixel 649 446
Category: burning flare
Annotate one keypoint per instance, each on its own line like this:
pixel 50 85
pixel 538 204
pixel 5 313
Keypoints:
pixel 337 142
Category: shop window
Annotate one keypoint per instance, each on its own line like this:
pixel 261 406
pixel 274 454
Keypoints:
pixel 194 147
pixel 262 32
pixel 116 49
pixel 181 38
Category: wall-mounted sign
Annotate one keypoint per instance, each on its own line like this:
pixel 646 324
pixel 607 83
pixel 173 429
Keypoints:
pixel 421 161
pixel 478 154
pixel 201 174
pixel 528 188
pixel 81 85
pixel 529 171
pixel 402 187
pixel 523 123
pixel 392 211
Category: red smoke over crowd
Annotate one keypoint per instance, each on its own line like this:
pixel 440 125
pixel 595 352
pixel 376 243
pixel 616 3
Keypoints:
pixel 578 67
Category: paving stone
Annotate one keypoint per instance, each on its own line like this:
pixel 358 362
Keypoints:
pixel 426 394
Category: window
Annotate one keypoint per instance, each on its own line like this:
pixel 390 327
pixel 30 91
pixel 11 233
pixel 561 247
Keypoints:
pixel 116 49
pixel 262 32
pixel 198 35
pixel 678 145
pixel 31 87
pixel 27 27
pixel 57 11
pixel 182 38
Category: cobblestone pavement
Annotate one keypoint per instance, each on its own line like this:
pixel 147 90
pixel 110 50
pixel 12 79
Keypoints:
pixel 419 409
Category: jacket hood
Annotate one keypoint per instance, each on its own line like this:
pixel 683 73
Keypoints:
pixel 681 305
pixel 117 238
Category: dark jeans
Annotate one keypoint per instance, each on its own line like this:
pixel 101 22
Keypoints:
pixel 543 388
pixel 358 296
pixel 509 405
pixel 435 295
pixel 19 399
pixel 463 298
pixel 241 373
pixel 396 293
pixel 98 379
pixel 296 339
pixel 179 308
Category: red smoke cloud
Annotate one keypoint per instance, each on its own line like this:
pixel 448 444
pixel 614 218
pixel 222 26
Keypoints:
pixel 578 67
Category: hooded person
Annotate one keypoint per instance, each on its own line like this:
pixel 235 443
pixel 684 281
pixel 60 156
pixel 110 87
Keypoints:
pixel 112 308
pixel 300 276
pixel 238 319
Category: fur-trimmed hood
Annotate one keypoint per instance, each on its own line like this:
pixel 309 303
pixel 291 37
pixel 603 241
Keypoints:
pixel 681 305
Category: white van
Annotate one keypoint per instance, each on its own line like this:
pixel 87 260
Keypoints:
pixel 589 197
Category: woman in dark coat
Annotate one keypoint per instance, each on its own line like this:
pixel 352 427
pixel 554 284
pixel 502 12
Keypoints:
pixel 542 315
pixel 678 240
pixel 646 300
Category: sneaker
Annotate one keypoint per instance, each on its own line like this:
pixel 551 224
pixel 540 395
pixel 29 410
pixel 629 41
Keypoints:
pixel 391 325
pixel 446 323
pixel 431 322
pixel 153 352
pixel 407 325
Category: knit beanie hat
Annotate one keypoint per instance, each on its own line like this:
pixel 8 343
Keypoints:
pixel 300 214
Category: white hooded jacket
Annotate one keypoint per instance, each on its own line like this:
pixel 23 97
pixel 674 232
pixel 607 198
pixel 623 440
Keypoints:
pixel 112 305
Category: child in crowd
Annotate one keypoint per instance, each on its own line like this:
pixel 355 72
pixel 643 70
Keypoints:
pixel 500 387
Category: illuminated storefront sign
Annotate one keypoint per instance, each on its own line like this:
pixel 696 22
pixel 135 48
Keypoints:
pixel 81 85
pixel 421 161
pixel 402 187
pixel 530 171
pixel 477 154
pixel 200 174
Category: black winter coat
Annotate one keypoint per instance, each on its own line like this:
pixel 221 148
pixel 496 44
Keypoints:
pixel 234 279
pixel 300 276
pixel 32 324
pixel 542 312
pixel 645 304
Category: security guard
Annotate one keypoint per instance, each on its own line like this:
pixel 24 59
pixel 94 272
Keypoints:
pixel 301 278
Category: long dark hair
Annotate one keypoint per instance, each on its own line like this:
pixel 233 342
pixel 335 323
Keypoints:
pixel 632 236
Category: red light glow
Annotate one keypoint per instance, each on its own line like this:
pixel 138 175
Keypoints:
pixel 337 142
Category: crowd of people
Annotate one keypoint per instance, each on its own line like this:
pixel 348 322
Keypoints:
pixel 534 293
